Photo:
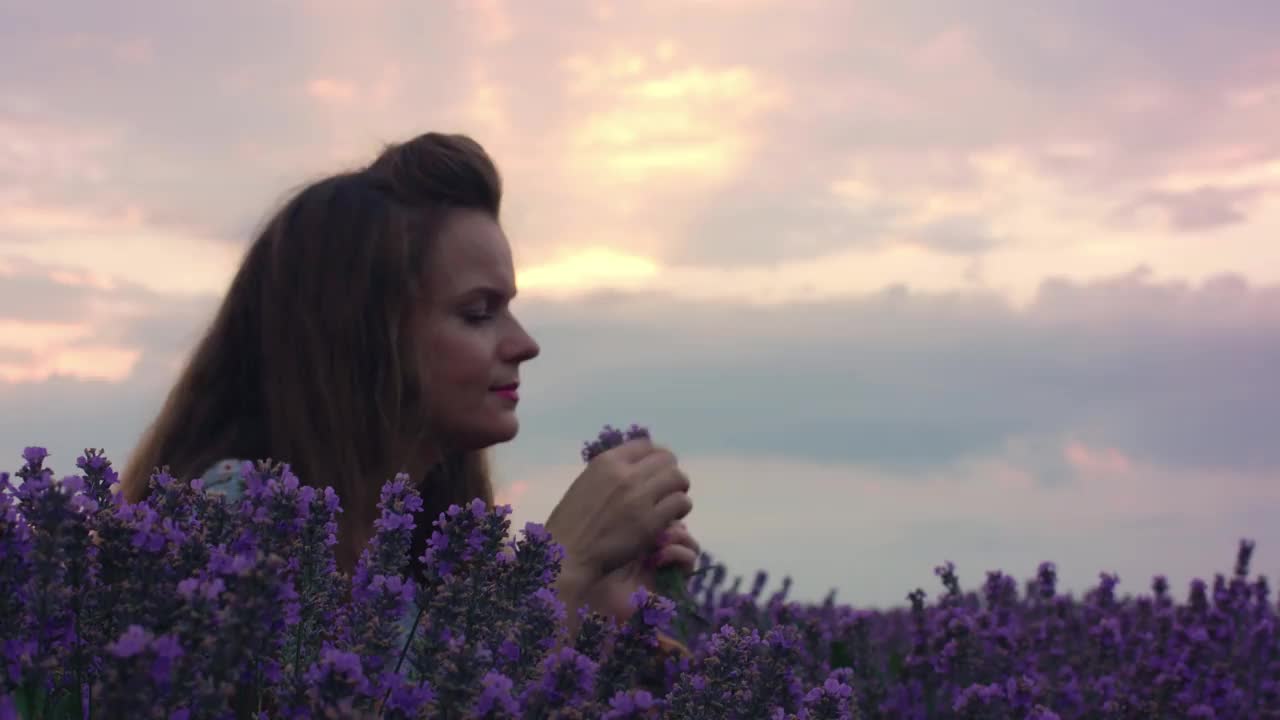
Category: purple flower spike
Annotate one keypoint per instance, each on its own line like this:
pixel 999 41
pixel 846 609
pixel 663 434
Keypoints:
pixel 609 438
pixel 34 456
pixel 133 641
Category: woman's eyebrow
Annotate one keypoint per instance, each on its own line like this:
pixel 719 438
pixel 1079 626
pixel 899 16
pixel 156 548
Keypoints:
pixel 489 291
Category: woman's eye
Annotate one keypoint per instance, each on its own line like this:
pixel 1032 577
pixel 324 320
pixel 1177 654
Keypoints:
pixel 476 316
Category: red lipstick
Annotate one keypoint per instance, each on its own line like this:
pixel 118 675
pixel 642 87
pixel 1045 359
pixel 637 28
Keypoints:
pixel 507 391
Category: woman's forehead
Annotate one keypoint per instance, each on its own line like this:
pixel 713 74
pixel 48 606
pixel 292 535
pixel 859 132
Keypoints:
pixel 472 251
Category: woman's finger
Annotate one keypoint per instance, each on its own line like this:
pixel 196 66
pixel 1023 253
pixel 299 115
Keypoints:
pixel 669 509
pixel 665 482
pixel 681 556
pixel 678 534
pixel 656 460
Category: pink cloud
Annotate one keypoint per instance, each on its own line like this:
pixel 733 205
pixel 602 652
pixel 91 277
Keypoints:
pixel 331 90
pixel 511 494
pixel 1095 460
pixel 131 51
pixel 492 20
pixel 62 349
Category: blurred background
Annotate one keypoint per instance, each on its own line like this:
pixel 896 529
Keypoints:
pixel 900 282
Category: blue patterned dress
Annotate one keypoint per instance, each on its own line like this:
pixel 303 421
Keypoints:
pixel 224 478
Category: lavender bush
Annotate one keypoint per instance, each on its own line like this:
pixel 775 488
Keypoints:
pixel 184 606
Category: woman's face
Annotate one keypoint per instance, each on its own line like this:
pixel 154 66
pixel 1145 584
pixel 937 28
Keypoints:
pixel 470 345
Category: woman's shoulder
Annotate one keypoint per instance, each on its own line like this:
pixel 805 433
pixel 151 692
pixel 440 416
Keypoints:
pixel 225 478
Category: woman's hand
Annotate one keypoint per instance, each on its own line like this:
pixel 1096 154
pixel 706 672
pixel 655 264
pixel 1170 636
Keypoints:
pixel 612 593
pixel 613 513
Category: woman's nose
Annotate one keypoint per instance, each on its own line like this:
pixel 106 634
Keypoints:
pixel 522 346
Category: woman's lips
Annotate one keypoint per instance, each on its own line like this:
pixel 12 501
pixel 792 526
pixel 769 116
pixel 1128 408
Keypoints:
pixel 507 391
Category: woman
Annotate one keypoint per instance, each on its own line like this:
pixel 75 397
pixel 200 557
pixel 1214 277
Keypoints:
pixel 368 332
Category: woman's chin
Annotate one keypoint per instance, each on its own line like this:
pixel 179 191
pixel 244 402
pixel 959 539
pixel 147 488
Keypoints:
pixel 508 435
pixel 494 429
pixel 502 430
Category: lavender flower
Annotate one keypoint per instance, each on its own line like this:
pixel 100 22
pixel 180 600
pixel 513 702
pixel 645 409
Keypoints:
pixel 335 684
pixel 567 679
pixel 315 576
pixel 140 677
pixel 833 700
pixel 256 606
pixel 633 705
pixel 16 647
pixel 138 554
pixel 185 606
pixel 501 616
pixel 742 675
pixel 99 477
pixel 407 699
pixel 382 594
pixel 495 701
pixel 60 575
pixel 629 659
pixel 609 438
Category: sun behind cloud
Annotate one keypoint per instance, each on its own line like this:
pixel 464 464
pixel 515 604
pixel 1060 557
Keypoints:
pixel 588 269
pixel 651 116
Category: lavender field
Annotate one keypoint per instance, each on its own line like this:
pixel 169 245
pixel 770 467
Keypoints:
pixel 957 325
pixel 182 606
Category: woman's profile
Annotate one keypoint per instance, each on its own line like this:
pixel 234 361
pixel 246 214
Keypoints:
pixel 368 331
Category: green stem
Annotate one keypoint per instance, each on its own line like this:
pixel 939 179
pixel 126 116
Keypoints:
pixel 77 662
pixel 297 657
pixel 77 653
pixel 403 651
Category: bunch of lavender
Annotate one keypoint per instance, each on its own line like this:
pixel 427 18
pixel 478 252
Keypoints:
pixel 670 580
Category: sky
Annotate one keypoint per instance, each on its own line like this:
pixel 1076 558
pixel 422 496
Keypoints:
pixel 899 282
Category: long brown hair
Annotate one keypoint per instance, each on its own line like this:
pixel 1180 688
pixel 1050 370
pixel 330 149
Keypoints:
pixel 309 359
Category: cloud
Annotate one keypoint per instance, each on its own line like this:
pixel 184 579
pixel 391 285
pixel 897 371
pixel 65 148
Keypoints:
pixel 39 351
pixel 331 90
pixel 968 126
pixel 901 379
pixel 719 145
pixel 905 380
pixel 767 219
pixel 1198 210
pixel 1120 425
pixel 869 249
pixel 591 269
pixel 955 235
pixel 59 322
